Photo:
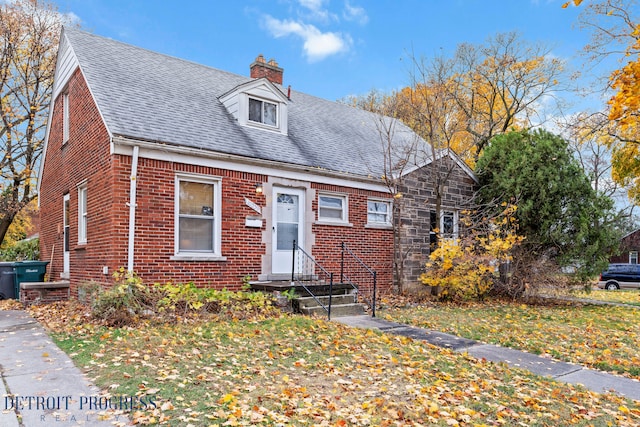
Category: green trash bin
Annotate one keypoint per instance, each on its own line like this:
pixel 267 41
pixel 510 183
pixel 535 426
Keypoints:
pixel 29 271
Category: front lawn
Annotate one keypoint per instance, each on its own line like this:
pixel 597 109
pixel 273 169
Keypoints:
pixel 294 370
pixel 623 296
pixel 601 337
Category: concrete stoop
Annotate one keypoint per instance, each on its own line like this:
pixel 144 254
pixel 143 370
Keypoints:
pixel 341 305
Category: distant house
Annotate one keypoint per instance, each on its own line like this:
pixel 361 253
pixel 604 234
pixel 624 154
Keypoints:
pixel 183 172
pixel 629 248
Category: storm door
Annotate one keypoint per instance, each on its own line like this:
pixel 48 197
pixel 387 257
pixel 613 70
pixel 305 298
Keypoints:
pixel 288 225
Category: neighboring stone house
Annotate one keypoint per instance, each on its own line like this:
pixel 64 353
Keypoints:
pixel 182 172
pixel 629 248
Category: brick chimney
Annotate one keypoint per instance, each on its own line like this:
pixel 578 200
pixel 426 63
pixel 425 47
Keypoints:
pixel 270 70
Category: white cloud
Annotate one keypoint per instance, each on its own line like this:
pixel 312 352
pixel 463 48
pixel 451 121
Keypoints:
pixel 71 18
pixel 317 45
pixel 355 13
pixel 313 5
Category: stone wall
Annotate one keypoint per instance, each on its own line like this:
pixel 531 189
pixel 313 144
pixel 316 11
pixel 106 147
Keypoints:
pixel 418 201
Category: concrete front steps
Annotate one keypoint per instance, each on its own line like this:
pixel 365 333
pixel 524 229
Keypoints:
pixel 341 305
pixel 343 301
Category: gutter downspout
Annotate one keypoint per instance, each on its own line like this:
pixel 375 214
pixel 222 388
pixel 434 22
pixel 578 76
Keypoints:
pixel 132 206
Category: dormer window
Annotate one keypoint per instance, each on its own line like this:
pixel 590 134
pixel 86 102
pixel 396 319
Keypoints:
pixel 263 112
pixel 258 104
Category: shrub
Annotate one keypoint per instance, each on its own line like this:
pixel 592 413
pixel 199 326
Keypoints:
pixel 187 299
pixel 130 300
pixel 126 302
pixel 23 250
pixel 468 268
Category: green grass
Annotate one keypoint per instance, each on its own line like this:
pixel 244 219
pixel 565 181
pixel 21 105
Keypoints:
pixel 601 337
pixel 298 371
pixel 623 296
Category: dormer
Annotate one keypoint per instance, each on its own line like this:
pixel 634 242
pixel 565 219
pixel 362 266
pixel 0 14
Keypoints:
pixel 259 103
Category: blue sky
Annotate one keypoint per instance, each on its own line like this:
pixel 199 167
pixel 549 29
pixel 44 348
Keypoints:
pixel 328 48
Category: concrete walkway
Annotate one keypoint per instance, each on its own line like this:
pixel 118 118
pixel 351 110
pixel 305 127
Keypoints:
pixel 597 381
pixel 41 386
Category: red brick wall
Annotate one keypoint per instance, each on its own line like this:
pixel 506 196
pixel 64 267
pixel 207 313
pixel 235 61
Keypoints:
pixel 155 224
pixel 86 156
pixel 374 246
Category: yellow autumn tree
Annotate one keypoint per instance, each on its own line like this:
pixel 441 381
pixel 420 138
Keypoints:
pixel 625 113
pixel 468 268
pixel 29 31
pixel 615 32
pixel 500 85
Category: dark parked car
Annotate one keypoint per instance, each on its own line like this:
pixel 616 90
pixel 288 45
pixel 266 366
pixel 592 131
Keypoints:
pixel 620 276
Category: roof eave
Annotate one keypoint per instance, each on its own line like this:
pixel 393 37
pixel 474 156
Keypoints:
pixel 121 140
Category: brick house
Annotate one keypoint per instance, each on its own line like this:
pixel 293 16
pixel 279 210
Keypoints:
pixel 629 248
pixel 182 172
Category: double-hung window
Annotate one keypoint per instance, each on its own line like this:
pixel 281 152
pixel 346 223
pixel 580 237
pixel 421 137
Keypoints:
pixel 378 212
pixel 263 112
pixel 82 214
pixel 198 224
pixel 332 208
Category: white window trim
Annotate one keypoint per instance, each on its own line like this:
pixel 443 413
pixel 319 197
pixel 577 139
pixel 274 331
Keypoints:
pixel 82 213
pixel 216 254
pixel 236 102
pixel 344 220
pixel 277 127
pixel 261 124
pixel 377 224
pixel 65 117
pixel 633 255
pixel 455 224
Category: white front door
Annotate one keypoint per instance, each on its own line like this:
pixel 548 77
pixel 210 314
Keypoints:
pixel 65 240
pixel 288 225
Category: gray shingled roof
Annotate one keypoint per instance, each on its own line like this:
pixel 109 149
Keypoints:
pixel 154 97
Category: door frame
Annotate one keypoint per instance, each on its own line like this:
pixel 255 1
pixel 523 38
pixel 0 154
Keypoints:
pixel 66 237
pixel 281 260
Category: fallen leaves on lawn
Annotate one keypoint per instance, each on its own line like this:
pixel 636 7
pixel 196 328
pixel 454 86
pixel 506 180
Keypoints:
pixel 601 337
pixel 627 296
pixel 296 370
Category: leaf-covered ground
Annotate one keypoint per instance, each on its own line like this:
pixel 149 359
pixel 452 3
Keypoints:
pixel 625 296
pixel 297 371
pixel 601 337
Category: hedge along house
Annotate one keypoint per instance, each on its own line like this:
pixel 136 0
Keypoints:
pixel 182 172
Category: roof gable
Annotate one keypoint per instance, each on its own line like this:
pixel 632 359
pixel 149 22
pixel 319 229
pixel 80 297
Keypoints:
pixel 254 86
pixel 446 152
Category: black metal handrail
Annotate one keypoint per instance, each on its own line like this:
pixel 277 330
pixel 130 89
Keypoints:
pixel 344 278
pixel 309 268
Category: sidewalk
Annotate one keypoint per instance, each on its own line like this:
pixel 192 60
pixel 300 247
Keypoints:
pixel 40 385
pixel 570 373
